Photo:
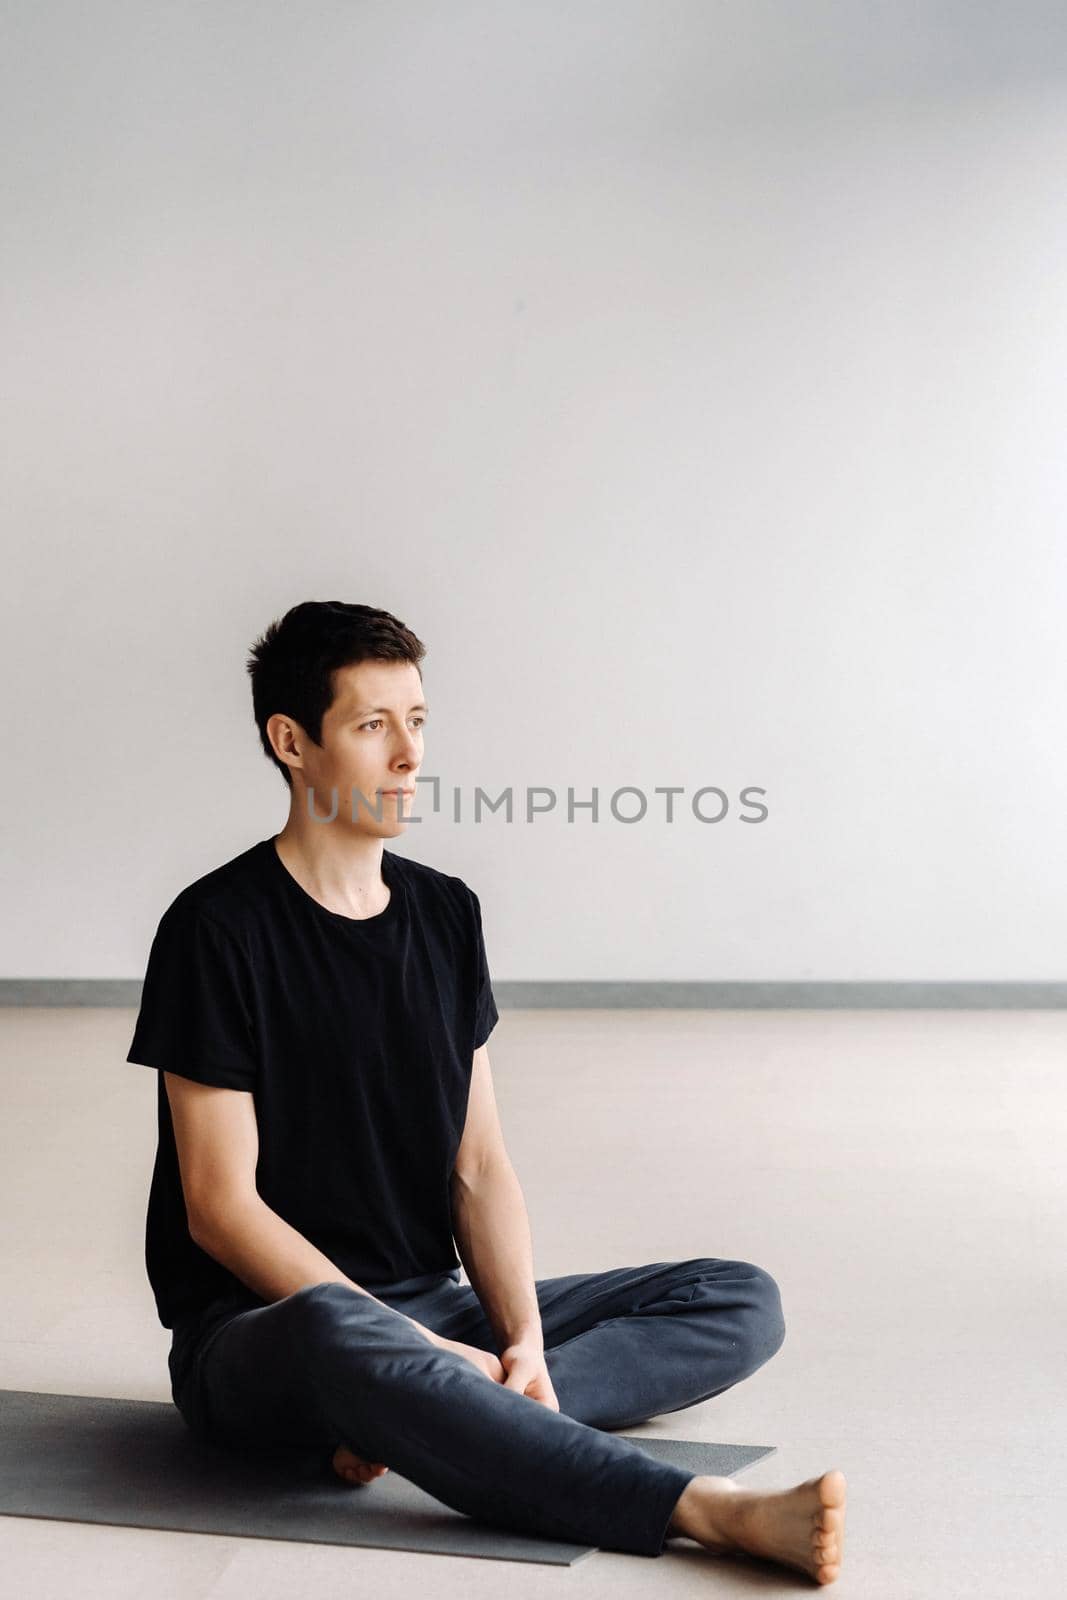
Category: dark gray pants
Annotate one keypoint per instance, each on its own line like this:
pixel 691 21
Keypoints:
pixel 327 1366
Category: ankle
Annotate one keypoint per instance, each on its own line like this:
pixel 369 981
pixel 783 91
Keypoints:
pixel 703 1511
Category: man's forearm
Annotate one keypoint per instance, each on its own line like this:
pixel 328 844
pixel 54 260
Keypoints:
pixel 492 1233
pixel 273 1259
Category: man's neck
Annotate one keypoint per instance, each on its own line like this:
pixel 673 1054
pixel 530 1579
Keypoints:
pixel 340 869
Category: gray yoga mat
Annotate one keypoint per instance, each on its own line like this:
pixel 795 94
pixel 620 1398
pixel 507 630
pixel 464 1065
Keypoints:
pixel 134 1463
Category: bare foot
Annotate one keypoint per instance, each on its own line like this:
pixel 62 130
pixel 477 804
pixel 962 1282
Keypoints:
pixel 353 1468
pixel 802 1527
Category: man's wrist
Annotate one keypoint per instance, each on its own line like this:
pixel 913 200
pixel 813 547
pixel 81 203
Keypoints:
pixel 528 1334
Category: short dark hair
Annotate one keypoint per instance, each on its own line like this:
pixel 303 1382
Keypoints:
pixel 292 663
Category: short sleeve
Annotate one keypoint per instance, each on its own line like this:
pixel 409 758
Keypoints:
pixel 486 1015
pixel 196 1016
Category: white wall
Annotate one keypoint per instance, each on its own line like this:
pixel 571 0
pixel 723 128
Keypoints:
pixel 690 377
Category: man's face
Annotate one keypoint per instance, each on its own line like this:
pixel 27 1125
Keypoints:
pixel 371 741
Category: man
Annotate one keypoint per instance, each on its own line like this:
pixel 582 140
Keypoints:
pixel 317 1009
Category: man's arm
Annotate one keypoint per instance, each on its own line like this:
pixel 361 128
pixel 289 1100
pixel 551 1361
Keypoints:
pixel 271 1257
pixel 490 1223
pixel 217 1142
pixel 492 1233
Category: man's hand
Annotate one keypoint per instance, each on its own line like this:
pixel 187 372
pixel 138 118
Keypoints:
pixel 521 1366
pixel 524 1363
pixel 484 1360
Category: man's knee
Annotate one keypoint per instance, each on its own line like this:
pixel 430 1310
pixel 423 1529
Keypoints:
pixel 766 1320
pixel 320 1308
pixel 327 1316
pixel 761 1320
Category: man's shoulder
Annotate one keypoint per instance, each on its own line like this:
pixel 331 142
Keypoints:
pixel 225 896
pixel 430 884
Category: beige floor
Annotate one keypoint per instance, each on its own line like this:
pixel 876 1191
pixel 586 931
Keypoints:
pixel 901 1174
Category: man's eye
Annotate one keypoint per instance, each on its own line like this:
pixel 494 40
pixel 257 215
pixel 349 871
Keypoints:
pixel 378 721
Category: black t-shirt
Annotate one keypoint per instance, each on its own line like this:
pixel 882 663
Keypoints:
pixel 355 1038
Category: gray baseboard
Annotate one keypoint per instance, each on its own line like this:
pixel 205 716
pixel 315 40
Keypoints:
pixel 877 995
